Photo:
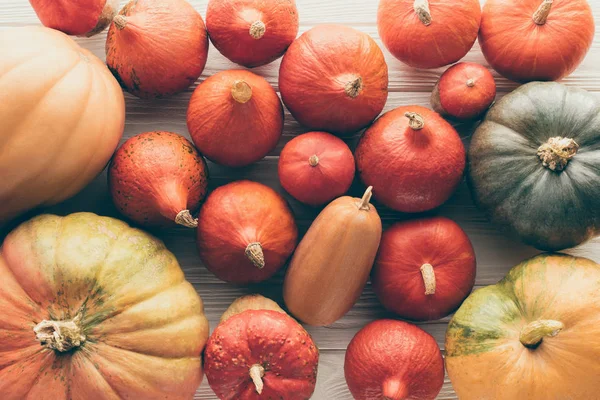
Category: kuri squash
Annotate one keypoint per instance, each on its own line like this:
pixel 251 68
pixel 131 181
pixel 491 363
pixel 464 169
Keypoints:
pixel 93 309
pixel 76 17
pixel 534 335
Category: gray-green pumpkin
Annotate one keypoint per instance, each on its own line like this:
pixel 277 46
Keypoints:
pixel 534 164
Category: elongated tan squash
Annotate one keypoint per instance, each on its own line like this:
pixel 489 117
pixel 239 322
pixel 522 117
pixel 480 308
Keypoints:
pixel 332 263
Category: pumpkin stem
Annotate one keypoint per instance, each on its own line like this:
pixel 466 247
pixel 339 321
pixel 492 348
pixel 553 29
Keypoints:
pixel 556 153
pixel 61 336
pixel 541 14
pixel 257 371
pixel 422 9
pixel 428 278
pixel 241 91
pixel 257 29
pixel 313 161
pixel 185 218
pixel 416 122
pixel 471 82
pixel 254 252
pixel 364 201
pixel 354 87
pixel 532 335
pixel 394 389
pixel 120 21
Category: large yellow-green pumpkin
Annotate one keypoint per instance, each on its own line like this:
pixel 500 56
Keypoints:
pixel 533 336
pixel 93 309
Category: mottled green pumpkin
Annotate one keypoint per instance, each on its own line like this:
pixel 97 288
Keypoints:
pixel 534 165
pixel 533 336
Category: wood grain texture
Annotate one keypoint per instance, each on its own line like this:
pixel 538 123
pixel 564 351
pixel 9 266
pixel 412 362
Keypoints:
pixel 496 253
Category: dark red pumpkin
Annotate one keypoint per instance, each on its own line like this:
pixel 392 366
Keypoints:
pixel 235 118
pixel 76 17
pixel 158 179
pixel 393 360
pixel 428 33
pixel 316 167
pixel 246 232
pixel 465 91
pixel 156 48
pixel 412 157
pixel 259 352
pixel 536 40
pixel 334 78
pixel 252 32
pixel 424 268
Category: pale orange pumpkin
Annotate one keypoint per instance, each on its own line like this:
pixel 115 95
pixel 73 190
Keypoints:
pixel 62 117
pixel 94 309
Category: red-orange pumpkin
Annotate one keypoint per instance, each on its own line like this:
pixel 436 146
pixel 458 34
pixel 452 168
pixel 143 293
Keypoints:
pixel 428 33
pixel 156 48
pixel 76 17
pixel 252 32
pixel 536 40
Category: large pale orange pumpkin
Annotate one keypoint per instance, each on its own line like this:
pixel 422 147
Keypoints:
pixel 94 309
pixel 62 114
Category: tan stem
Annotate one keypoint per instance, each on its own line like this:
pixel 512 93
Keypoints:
pixel 394 389
pixel 471 82
pixel 354 87
pixel 120 21
pixel 541 14
pixel 422 9
pixel 428 278
pixel 61 336
pixel 313 161
pixel 364 201
pixel 257 372
pixel 533 333
pixel 416 121
pixel 257 29
pixel 185 218
pixel 254 252
pixel 241 91
pixel 556 153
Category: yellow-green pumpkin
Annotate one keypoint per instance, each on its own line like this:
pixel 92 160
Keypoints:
pixel 533 336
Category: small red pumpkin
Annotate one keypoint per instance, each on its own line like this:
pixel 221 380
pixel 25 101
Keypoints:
pixel 412 157
pixel 536 40
pixel 156 48
pixel 246 232
pixel 428 33
pixel 424 268
pixel 80 17
pixel 259 352
pixel 252 32
pixel 158 179
pixel 393 360
pixel 334 78
pixel 465 91
pixel 316 167
pixel 235 118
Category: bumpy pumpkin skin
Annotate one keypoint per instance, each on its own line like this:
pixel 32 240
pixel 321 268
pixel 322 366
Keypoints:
pixel 484 356
pixel 551 210
pixel 144 323
pixel 79 17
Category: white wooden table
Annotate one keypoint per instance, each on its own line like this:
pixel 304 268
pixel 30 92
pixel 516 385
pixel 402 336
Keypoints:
pixel 496 254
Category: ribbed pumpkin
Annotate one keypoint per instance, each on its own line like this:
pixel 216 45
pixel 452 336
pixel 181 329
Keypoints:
pixel 79 17
pixel 93 309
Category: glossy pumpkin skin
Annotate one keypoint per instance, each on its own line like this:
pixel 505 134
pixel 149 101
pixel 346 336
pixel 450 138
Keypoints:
pixel 238 215
pixel 235 118
pixel 551 210
pixel 316 167
pixel 81 18
pixel 400 277
pixel 156 48
pixel 129 296
pixel 52 88
pixel 522 50
pixel 484 354
pixel 334 78
pixel 252 32
pixel 441 33
pixel 264 338
pixel 411 170
pixel 393 360
pixel 158 179
pixel 465 91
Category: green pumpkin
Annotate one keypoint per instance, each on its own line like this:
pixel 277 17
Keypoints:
pixel 534 165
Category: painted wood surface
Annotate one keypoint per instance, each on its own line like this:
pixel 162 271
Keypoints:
pixel 496 253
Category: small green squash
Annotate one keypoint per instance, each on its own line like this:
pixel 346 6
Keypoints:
pixel 534 165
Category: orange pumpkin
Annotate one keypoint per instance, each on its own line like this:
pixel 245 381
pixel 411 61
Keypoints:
pixel 93 309
pixel 62 118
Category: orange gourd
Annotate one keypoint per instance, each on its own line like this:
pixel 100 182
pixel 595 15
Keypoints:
pixel 76 17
